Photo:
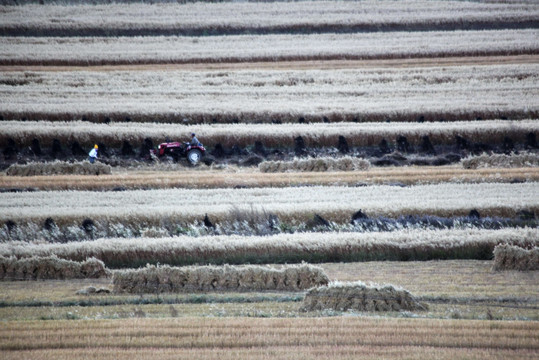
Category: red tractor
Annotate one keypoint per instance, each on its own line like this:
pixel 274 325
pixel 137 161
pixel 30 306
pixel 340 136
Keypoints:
pixel 193 153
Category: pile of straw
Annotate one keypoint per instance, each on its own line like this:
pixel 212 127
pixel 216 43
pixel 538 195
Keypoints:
pixel 159 279
pixel 509 257
pixel 50 267
pixel 317 164
pixel 501 161
pixel 359 297
pixel 93 290
pixel 59 168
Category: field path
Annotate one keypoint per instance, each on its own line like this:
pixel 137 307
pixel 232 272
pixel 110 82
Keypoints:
pixel 296 65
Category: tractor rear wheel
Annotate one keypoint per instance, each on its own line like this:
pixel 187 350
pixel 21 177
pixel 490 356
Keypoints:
pixel 194 156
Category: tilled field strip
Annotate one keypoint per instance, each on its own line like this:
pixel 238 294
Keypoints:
pixel 335 202
pixel 245 333
pixel 211 179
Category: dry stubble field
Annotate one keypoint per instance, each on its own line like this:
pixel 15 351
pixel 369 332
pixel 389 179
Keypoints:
pixel 368 71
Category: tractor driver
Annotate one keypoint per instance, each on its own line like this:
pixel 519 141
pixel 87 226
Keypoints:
pixel 194 140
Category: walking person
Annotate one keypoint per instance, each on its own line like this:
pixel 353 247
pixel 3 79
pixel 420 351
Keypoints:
pixel 92 156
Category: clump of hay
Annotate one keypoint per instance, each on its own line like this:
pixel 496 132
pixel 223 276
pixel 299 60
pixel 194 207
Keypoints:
pixel 59 168
pixel 50 267
pixel 509 257
pixel 346 163
pixel 159 279
pixel 501 161
pixel 90 290
pixel 360 297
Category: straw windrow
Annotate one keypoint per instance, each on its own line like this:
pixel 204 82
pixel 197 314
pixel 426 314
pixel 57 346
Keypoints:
pixel 50 267
pixel 360 297
pixel 59 168
pixel 159 279
pixel 510 257
pixel 501 161
pixel 318 164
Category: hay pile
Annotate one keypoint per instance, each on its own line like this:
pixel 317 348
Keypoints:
pixel 90 290
pixel 159 279
pixel 317 164
pixel 509 257
pixel 50 267
pixel 360 297
pixel 501 161
pixel 59 168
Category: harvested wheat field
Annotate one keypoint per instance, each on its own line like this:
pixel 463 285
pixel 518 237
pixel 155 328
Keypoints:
pixel 195 97
pixel 365 183
pixel 291 204
pixel 182 177
pixel 328 338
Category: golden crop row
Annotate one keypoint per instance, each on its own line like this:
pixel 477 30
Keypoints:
pixel 402 245
pixel 265 96
pixel 241 48
pixel 293 203
pixel 270 135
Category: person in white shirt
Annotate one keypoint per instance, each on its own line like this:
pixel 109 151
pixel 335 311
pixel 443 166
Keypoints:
pixel 93 154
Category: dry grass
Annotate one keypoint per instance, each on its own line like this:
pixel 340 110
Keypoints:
pixel 48 291
pixel 501 161
pixel 329 338
pixel 50 267
pixel 238 17
pixel 324 164
pixel 403 245
pixel 156 177
pixel 507 257
pixel 161 279
pixel 270 135
pixel 58 168
pixel 194 97
pixel 292 204
pixel 453 279
pixel 76 51
pixel 469 289
pixel 286 353
pixel 358 296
